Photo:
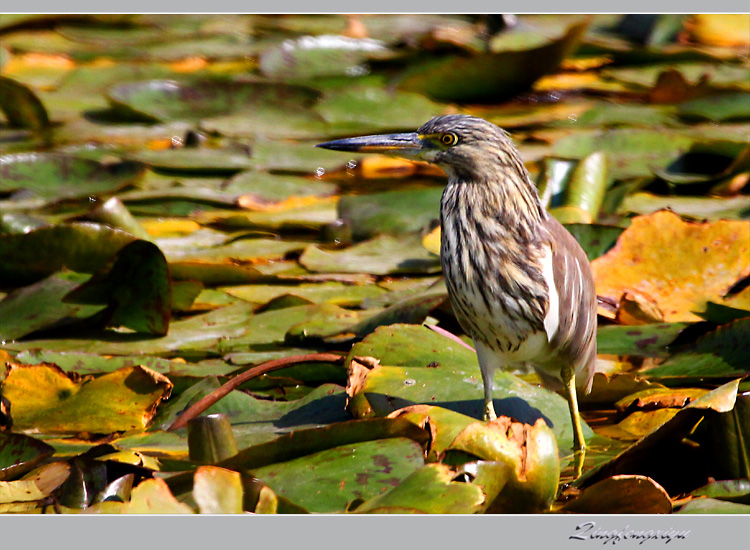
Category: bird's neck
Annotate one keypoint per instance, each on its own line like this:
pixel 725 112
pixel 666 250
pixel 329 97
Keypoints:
pixel 510 204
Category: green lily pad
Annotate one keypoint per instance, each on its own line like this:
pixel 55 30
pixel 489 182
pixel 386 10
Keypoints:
pixel 714 506
pixel 719 74
pixel 199 332
pixel 61 176
pixel 20 453
pixel 21 106
pixel 269 188
pixel 81 247
pixel 609 114
pixel 193 249
pixel 136 289
pixel 308 217
pixel 493 75
pixel 310 57
pixel 702 208
pixel 201 161
pixel 44 398
pixel 430 489
pixel 329 480
pixel 301 157
pixel 594 239
pixel 383 213
pixel 630 152
pixel 256 420
pixel 717 108
pixel 732 490
pixel 271 327
pixel 326 292
pixel 407 375
pixel 195 98
pixel 369 110
pixel 379 256
pixel 87 363
pixel 38 306
pixel 723 352
pixel 640 340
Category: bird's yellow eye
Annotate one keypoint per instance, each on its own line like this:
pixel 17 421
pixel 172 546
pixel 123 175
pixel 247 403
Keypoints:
pixel 449 139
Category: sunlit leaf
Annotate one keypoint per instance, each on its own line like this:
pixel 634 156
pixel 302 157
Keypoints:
pixel 43 397
pixel 702 261
pixel 217 491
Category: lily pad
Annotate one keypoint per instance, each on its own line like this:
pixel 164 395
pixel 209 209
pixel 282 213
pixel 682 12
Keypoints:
pixel 153 496
pixel 701 262
pixel 20 453
pixel 200 161
pixel 430 489
pixel 717 108
pixel 36 485
pixel 218 491
pixel 327 292
pixel 379 256
pixel 264 188
pixel 308 214
pixel 702 208
pixel 44 398
pixel 136 289
pixel 81 247
pixel 60 176
pixel 642 340
pixel 328 481
pixel 714 506
pixel 622 495
pixel 493 75
pixel 370 110
pixel 195 98
pixel 257 420
pixel 21 106
pixel 39 306
pixel 630 152
pixel 594 239
pixel 407 375
pixel 722 352
pixel 383 213
pixel 310 57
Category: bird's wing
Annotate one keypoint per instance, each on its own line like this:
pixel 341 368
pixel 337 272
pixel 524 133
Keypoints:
pixel 575 337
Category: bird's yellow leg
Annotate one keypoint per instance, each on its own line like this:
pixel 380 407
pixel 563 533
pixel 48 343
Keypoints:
pixel 489 407
pixel 579 444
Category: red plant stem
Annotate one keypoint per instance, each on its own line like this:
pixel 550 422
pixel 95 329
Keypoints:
pixel 197 408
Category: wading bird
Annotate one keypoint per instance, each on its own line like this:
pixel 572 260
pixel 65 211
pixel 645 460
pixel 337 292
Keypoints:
pixel 519 283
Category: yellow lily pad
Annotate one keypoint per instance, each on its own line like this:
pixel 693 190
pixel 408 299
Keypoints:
pixel 680 265
pixel 154 497
pixel 217 490
pixel 44 398
pixel 36 485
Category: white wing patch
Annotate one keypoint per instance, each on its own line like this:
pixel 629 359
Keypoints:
pixel 552 319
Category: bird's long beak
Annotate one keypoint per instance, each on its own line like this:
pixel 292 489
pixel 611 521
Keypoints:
pixel 400 144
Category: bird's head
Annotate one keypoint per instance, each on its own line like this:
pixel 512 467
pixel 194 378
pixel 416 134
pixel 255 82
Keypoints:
pixel 466 147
